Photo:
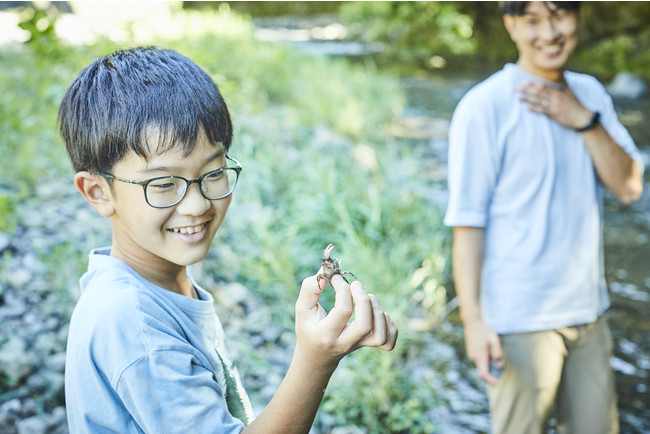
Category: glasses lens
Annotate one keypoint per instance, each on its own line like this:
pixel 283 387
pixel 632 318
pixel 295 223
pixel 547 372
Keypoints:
pixel 219 183
pixel 164 192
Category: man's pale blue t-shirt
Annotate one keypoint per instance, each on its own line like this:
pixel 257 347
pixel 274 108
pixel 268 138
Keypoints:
pixel 142 359
pixel 531 183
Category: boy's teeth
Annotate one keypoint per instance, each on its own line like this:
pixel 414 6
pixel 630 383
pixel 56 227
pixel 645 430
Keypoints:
pixel 189 230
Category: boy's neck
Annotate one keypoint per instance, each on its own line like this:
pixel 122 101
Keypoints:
pixel 160 274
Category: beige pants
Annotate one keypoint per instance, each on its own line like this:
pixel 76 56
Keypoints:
pixel 564 373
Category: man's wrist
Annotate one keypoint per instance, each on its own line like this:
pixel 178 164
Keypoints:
pixel 592 123
pixel 470 315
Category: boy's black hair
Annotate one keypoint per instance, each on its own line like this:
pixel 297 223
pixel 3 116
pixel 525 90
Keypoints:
pixel 122 101
pixel 519 8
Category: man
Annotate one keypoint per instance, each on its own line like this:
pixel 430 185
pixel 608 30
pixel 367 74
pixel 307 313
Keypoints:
pixel 531 149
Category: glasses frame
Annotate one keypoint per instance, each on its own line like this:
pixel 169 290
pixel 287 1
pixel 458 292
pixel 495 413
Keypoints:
pixel 237 169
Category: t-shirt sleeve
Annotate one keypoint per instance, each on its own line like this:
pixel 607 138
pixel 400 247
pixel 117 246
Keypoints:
pixel 472 164
pixel 169 391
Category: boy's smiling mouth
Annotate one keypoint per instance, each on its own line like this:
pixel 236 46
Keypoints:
pixel 188 229
pixel 191 233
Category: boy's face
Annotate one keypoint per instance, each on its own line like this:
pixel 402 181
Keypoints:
pixel 545 37
pixel 165 238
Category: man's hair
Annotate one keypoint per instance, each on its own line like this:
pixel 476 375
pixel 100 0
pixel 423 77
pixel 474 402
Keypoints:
pixel 122 101
pixel 519 8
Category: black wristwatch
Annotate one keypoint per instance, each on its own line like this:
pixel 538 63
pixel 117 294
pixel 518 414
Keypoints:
pixel 592 123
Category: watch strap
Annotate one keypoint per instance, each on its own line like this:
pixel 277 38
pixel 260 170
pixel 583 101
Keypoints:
pixel 592 123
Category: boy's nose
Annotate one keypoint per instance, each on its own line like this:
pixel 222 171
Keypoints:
pixel 194 203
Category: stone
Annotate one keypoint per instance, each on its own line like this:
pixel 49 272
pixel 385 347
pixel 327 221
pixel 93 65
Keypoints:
pixel 14 306
pixel 55 381
pixel 20 278
pixel 32 425
pixel 234 293
pixel 9 412
pixel 5 241
pixel 11 406
pixel 56 362
pixel 15 363
pixel 348 430
pixel 627 85
pixel 57 421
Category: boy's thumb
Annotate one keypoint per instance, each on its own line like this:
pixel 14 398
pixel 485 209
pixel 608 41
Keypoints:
pixel 310 291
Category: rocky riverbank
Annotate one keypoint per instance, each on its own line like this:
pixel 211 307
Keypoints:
pixel 34 311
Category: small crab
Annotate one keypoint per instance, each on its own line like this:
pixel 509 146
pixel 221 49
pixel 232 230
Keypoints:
pixel 331 267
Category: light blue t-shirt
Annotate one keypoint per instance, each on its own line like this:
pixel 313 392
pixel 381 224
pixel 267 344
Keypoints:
pixel 142 359
pixel 531 183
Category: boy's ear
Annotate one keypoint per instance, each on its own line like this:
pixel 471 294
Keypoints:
pixel 96 192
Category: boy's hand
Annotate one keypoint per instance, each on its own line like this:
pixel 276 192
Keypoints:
pixel 326 338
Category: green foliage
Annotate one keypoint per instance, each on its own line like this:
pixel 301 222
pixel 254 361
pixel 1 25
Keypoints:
pixel 623 52
pixel 470 36
pixel 379 393
pixel 64 256
pixel 271 8
pixel 423 33
pixel 350 99
pixel 39 21
pixel 33 85
pixel 321 188
pixel 7 216
pixel 614 37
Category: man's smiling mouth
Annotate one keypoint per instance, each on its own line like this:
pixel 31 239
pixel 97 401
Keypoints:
pixel 549 49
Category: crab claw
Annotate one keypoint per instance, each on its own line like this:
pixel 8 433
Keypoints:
pixel 328 250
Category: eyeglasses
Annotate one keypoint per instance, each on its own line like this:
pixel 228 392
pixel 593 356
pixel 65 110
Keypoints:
pixel 166 191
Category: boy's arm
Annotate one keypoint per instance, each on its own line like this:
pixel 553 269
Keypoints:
pixel 322 341
pixel 482 343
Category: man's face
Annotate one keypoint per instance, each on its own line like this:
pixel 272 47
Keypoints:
pixel 545 37
pixel 166 238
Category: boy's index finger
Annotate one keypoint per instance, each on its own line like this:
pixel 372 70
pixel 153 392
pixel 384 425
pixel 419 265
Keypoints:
pixel 343 304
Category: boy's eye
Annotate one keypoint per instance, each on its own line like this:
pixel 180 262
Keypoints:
pixel 162 184
pixel 214 175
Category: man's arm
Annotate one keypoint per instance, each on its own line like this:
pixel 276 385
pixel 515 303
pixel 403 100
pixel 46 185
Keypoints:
pixel 615 168
pixel 482 343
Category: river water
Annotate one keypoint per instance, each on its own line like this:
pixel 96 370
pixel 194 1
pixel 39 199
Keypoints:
pixel 430 102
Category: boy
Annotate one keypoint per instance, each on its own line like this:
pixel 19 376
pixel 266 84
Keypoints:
pixel 531 150
pixel 145 350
